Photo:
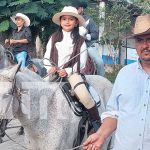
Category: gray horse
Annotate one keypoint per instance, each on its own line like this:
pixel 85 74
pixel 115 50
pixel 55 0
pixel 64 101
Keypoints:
pixel 42 109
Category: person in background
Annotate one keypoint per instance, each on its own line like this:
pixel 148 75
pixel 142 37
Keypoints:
pixel 91 33
pixel 21 37
pixel 128 109
pixel 67 52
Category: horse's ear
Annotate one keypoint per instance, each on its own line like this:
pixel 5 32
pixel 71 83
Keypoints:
pixel 13 71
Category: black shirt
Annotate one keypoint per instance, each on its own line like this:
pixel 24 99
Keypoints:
pixel 24 33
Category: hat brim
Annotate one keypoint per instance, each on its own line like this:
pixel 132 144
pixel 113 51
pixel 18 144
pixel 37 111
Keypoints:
pixel 24 17
pixel 135 35
pixel 56 18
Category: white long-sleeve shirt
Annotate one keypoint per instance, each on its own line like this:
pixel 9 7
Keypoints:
pixel 65 49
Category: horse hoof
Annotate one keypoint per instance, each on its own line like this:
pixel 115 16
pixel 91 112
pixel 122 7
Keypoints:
pixel 21 131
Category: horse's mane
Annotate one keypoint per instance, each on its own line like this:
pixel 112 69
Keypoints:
pixel 26 75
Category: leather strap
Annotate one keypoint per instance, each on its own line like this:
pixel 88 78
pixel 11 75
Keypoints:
pixel 79 84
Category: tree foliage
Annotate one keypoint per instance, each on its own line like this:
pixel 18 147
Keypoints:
pixel 144 5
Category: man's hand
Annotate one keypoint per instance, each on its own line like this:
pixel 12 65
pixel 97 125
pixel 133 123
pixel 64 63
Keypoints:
pixel 88 37
pixel 62 73
pixel 94 142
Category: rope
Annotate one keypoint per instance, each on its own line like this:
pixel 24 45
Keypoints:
pixel 74 148
pixel 17 142
pixel 13 127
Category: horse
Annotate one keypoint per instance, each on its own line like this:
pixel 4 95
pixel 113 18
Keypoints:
pixel 42 108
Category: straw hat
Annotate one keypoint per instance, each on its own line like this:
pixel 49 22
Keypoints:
pixel 71 11
pixel 142 26
pixel 24 17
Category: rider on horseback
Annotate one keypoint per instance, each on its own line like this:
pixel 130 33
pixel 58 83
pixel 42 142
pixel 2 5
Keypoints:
pixel 21 37
pixel 63 50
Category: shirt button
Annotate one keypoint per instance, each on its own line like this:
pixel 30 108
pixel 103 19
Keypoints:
pixel 140 134
pixel 144 105
pixel 139 149
pixel 142 119
pixel 146 91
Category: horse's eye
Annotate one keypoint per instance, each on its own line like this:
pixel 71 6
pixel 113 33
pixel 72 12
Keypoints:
pixel 6 95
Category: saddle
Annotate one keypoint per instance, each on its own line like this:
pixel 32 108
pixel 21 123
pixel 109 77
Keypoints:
pixel 72 100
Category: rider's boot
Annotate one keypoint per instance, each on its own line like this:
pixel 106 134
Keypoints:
pixel 94 117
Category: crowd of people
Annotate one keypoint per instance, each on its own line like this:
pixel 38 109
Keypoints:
pixel 128 109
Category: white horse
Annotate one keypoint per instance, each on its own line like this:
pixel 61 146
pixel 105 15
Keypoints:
pixel 42 109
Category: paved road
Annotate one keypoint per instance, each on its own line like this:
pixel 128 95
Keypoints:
pixel 7 143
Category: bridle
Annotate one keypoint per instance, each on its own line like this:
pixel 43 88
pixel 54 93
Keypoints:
pixel 13 81
pixel 4 122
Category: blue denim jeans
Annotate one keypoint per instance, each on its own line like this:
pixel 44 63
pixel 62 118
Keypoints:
pixel 21 57
pixel 98 61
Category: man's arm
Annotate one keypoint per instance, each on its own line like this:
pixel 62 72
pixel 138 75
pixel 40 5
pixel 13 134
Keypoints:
pixel 93 32
pixel 22 41
pixel 26 40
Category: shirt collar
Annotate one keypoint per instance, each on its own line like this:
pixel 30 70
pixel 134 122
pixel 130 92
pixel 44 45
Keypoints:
pixel 21 29
pixel 66 33
pixel 139 66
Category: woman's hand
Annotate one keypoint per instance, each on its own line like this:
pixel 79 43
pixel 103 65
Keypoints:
pixel 94 142
pixel 53 70
pixel 62 73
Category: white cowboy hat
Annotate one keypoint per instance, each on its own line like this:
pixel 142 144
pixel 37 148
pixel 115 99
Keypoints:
pixel 71 11
pixel 24 17
pixel 142 26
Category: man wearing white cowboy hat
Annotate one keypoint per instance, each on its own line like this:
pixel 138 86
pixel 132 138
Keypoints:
pixel 63 51
pixel 128 109
pixel 20 39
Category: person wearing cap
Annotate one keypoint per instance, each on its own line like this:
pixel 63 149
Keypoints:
pixel 66 50
pixel 128 109
pixel 91 34
pixel 21 37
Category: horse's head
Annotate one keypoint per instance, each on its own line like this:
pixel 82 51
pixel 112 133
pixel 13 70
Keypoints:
pixel 7 99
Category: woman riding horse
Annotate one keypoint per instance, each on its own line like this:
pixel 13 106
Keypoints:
pixel 67 48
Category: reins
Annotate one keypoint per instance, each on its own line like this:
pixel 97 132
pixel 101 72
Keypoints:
pixel 17 142
pixel 65 62
pixel 74 148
